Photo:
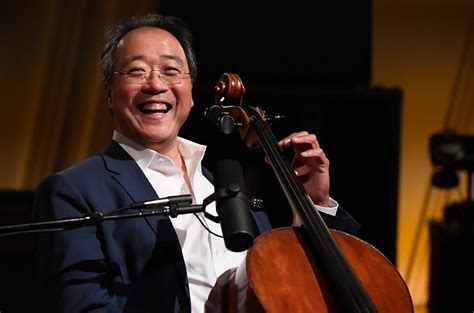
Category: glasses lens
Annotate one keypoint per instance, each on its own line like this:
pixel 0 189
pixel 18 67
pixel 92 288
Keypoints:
pixel 170 78
pixel 135 78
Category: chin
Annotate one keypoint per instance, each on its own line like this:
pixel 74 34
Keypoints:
pixel 159 137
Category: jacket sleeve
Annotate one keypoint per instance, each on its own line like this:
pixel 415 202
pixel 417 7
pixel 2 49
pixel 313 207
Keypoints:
pixel 72 270
pixel 343 221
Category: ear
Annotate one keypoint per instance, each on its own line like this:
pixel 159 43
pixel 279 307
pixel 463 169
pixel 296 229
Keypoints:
pixel 192 103
pixel 109 97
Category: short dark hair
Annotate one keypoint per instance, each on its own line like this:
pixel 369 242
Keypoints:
pixel 174 25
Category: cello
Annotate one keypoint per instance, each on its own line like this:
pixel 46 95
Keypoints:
pixel 309 268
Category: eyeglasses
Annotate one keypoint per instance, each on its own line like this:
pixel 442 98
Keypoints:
pixel 141 76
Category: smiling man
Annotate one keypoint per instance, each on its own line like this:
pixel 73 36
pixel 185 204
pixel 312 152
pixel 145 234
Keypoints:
pixel 150 95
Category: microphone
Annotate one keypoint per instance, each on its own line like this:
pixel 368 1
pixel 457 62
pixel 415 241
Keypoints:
pixel 233 209
pixel 180 199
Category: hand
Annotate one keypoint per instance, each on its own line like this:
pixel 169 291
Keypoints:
pixel 310 165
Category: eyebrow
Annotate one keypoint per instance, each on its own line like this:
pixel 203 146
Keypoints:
pixel 164 56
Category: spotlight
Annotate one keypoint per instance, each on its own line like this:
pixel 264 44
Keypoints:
pixel 449 152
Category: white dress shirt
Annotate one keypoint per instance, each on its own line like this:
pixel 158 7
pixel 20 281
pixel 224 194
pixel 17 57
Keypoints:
pixel 205 255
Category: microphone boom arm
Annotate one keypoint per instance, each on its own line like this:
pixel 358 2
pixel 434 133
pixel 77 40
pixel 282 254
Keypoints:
pixel 169 206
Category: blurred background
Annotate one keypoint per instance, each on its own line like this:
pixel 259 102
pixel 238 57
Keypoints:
pixel 387 86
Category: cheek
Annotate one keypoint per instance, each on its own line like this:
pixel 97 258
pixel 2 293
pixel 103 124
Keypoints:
pixel 125 91
pixel 184 95
pixel 187 104
pixel 121 96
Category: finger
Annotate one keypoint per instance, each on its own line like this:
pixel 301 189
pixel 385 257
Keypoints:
pixel 304 138
pixel 286 142
pixel 314 153
pixel 305 142
pixel 314 158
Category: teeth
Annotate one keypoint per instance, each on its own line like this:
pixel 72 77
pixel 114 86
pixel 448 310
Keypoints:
pixel 154 106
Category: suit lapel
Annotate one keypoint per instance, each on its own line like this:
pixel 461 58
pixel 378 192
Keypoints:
pixel 167 259
pixel 127 173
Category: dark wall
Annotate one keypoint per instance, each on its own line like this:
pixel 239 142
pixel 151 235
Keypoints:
pixel 324 43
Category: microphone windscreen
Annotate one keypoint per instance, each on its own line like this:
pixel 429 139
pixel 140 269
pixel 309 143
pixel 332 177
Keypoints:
pixel 234 213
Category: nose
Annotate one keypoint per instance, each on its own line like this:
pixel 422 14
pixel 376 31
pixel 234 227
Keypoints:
pixel 154 84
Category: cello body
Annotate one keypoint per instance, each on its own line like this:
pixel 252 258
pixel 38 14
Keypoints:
pixel 291 280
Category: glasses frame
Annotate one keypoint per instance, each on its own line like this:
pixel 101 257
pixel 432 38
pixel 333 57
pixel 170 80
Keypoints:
pixel 146 76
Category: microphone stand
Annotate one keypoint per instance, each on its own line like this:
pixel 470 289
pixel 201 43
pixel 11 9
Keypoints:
pixel 170 206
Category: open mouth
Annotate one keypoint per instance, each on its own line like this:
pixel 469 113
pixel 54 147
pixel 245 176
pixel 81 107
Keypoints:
pixel 154 107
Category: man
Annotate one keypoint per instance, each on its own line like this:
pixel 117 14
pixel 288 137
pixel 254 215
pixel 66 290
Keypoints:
pixel 153 264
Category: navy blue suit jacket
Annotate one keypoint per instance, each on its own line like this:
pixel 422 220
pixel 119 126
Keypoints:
pixel 129 265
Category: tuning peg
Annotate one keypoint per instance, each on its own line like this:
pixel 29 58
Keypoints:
pixel 273 118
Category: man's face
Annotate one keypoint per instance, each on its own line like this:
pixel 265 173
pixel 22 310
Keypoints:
pixel 150 113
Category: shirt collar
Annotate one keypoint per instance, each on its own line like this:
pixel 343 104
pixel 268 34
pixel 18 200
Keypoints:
pixel 191 152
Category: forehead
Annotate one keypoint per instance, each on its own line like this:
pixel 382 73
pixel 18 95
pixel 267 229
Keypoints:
pixel 149 44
